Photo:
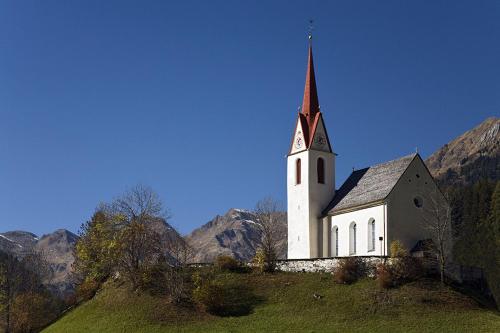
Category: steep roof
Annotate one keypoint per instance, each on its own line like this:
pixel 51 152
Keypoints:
pixel 310 116
pixel 310 102
pixel 368 185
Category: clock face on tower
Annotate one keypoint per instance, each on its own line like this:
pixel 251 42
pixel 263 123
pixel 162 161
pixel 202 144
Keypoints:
pixel 299 142
pixel 320 140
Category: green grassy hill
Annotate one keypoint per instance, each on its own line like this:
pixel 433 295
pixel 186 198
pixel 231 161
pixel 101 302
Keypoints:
pixel 284 302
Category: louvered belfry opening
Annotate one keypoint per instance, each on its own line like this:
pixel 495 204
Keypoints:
pixel 321 170
pixel 298 172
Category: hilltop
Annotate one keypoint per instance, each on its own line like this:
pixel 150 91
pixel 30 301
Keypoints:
pixel 284 302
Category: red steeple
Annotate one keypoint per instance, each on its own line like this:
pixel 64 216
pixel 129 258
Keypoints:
pixel 310 103
pixel 310 118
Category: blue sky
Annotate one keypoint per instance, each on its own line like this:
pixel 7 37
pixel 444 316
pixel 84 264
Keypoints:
pixel 198 99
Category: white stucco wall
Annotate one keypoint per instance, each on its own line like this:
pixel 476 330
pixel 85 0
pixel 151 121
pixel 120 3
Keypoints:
pixel 405 220
pixel 361 218
pixel 298 208
pixel 306 202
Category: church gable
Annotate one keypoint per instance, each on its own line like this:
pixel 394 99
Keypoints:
pixel 319 140
pixel 416 183
pixel 299 140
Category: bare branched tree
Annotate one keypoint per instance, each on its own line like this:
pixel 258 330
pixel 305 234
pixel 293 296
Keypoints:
pixel 268 215
pixel 140 248
pixel 437 222
pixel 140 204
pixel 179 250
pixel 179 254
pixel 39 269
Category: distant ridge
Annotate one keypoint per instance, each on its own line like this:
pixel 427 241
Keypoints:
pixel 234 233
pixel 57 248
pixel 471 156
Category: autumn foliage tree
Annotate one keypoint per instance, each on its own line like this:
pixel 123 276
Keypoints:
pixel 25 303
pixel 128 237
pixel 96 249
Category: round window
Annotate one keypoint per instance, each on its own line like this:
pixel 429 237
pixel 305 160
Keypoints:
pixel 418 202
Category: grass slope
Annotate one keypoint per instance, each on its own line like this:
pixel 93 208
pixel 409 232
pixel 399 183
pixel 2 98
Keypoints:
pixel 288 305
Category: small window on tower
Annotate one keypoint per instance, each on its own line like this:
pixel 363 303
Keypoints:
pixel 321 170
pixel 298 172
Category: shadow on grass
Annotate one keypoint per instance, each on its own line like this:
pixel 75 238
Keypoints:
pixel 238 300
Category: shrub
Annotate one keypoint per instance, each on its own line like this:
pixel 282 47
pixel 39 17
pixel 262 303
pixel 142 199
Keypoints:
pixel 403 267
pixel 227 263
pixel 223 298
pixel 406 269
pixel 259 261
pixel 349 270
pixel 264 262
pixel 31 312
pixel 86 290
pixel 164 279
pixel 385 279
pixel 211 296
pixel 398 250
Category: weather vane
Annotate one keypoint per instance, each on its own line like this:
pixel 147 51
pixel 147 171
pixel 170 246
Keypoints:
pixel 310 29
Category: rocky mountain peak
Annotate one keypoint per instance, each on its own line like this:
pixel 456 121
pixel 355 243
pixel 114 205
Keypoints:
pixel 469 157
pixel 235 234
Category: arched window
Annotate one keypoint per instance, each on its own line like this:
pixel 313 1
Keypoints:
pixel 320 166
pixel 352 238
pixel 371 234
pixel 335 241
pixel 298 172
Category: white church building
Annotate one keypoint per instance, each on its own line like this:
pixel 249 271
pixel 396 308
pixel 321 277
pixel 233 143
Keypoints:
pixel 373 207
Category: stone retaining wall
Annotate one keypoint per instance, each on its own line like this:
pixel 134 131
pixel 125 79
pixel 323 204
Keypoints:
pixel 319 265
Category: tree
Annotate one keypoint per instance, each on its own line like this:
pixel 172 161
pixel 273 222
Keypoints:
pixel 96 249
pixel 269 220
pixel 139 249
pixel 21 276
pixel 10 282
pixel 140 242
pixel 437 222
pixel 130 236
pixel 491 243
pixel 32 311
pixel 139 204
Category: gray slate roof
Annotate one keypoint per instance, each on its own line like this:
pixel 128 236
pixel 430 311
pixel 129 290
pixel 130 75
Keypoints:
pixel 368 185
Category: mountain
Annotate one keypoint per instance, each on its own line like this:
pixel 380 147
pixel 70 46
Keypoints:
pixel 56 247
pixel 471 156
pixel 234 233
pixel 17 242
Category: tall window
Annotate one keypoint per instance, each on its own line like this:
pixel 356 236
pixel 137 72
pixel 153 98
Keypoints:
pixel 298 172
pixel 320 166
pixel 335 241
pixel 371 235
pixel 352 238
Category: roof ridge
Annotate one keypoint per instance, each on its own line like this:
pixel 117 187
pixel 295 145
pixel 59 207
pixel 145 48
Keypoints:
pixel 390 161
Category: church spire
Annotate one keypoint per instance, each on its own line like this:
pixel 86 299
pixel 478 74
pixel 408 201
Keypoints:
pixel 310 103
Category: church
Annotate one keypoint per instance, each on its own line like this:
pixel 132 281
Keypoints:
pixel 373 207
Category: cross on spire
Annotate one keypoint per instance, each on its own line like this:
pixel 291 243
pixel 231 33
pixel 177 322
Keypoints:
pixel 310 31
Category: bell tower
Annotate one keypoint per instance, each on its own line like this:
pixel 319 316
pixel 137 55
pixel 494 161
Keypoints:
pixel 310 173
